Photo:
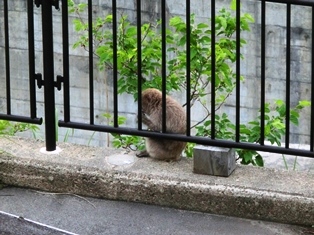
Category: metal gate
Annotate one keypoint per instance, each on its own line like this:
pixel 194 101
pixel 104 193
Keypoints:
pixel 49 81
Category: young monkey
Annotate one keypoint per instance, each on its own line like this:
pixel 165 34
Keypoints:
pixel 152 117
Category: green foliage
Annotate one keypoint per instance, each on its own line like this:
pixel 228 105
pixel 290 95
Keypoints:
pixel 8 128
pixel 125 141
pixel 275 124
pixel 201 74
pixel 128 142
pixel 189 149
pixel 176 52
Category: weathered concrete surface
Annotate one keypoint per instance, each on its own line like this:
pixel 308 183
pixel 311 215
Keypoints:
pixel 250 192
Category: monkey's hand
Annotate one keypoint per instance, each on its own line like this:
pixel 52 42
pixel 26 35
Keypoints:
pixel 146 120
pixel 143 153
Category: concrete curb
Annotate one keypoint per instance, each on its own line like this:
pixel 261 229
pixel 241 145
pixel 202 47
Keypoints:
pixel 250 192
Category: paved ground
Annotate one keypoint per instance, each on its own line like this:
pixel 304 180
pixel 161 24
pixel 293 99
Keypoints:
pixel 94 216
pixel 14 225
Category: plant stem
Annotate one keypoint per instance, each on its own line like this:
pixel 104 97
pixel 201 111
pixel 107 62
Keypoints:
pixel 295 163
pixel 285 162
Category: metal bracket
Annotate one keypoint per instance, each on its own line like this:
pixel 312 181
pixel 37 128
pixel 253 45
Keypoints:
pixel 54 3
pixel 40 81
pixel 59 82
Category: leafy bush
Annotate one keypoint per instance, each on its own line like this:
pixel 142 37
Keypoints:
pixel 8 128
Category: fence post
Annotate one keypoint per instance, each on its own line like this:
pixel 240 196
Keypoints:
pixel 49 92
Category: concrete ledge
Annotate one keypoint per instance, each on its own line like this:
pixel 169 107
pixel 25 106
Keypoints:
pixel 250 192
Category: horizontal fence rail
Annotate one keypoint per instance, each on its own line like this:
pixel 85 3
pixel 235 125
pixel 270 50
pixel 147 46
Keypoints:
pixel 50 85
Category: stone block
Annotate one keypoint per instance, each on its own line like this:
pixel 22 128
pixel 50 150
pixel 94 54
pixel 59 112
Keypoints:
pixel 211 160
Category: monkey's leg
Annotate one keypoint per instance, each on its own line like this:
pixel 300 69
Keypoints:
pixel 143 153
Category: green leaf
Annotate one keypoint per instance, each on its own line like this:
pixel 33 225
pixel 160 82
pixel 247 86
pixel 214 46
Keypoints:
pixel 223 23
pixel 281 110
pixel 249 17
pixel 278 124
pixel 294 113
pixel 81 6
pixel 107 115
pixel 267 130
pixel 205 39
pixel 202 26
pixel 131 31
pixel 259 160
pixel 255 123
pixel 233 5
pixel 108 19
pixel 294 120
pixel 175 21
pixel 303 103
pixel 182 41
pixel 245 131
pixel 279 102
pixel 116 143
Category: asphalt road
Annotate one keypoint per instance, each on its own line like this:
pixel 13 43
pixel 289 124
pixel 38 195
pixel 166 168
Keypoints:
pixel 89 216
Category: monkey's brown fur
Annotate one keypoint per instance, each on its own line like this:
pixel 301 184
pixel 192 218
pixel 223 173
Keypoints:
pixel 175 123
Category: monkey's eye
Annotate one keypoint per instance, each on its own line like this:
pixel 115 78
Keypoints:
pixel 145 115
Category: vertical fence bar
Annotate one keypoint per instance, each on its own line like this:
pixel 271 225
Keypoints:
pixel 163 64
pixel 31 57
pixel 66 65
pixel 238 24
pixel 50 122
pixel 288 49
pixel 312 86
pixel 263 77
pixel 139 63
pixel 188 68
pixel 7 55
pixel 115 63
pixel 91 62
pixel 213 67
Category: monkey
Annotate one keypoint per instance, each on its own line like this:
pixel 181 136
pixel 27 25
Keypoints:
pixel 160 149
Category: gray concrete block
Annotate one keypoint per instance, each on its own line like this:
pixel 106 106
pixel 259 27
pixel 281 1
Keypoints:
pixel 216 161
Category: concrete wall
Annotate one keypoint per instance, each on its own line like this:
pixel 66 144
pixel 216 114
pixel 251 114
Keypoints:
pixel 79 70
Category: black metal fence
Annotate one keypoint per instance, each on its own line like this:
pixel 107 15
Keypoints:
pixel 50 82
